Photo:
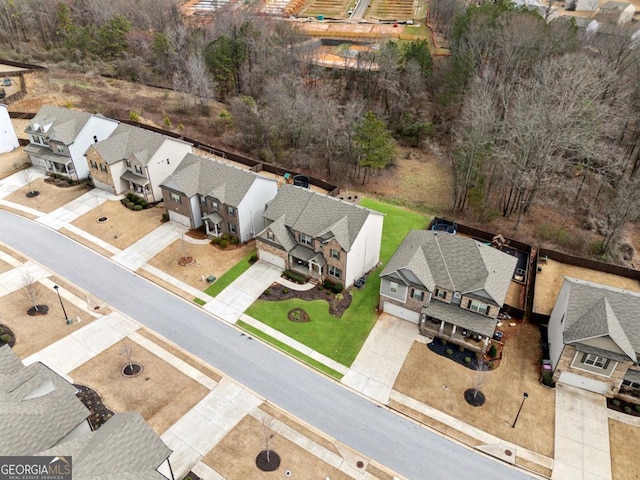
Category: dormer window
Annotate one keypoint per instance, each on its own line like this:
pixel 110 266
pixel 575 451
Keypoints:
pixel 440 293
pixel 128 162
pixel 270 235
pixel 138 169
pixel 306 239
pixel 476 306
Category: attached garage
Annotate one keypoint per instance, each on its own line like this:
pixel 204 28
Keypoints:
pixel 271 258
pixel 583 382
pixel 401 312
pixel 179 218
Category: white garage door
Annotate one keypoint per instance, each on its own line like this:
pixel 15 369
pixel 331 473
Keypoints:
pixel 401 312
pixel 583 382
pixel 179 218
pixel 271 258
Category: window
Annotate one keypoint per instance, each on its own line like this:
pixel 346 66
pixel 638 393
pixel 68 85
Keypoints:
pixel 417 294
pixel 441 293
pixel 232 227
pixel 479 307
pixel 128 162
pixel 59 149
pixel 231 211
pixel 214 204
pixel 629 383
pixel 203 201
pixel 393 287
pixel 139 169
pixel 176 198
pixel 94 165
pixel 335 254
pixel 335 271
pixel 269 235
pixel 595 361
pixel 103 167
pixel 306 239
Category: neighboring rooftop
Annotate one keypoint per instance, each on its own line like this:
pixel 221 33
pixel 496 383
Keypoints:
pixel 60 124
pixel 317 215
pixel 453 262
pixel 127 142
pixel 212 178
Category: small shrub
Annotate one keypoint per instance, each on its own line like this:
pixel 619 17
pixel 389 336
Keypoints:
pixel 225 236
pixel 467 360
pixel 131 197
pixel 267 292
pixel 124 202
pixel 460 348
pixel 338 287
pixel 134 116
pixel 216 240
pixel 616 402
pixel 253 258
pixel 627 409
pixel 493 350
pixel 137 208
pixel 294 276
pixel 1 330
pixel 235 240
pixel 144 204
pixel 448 351
pixel 328 292
pixel 328 284
pixel 320 287
pixel 443 341
pixel 339 296
pixel 224 243
pixel 165 217
pixel 637 408
pixel 130 205
pixel 285 290
pixel 4 338
pixel 167 121
pixel 491 364
pixel 547 380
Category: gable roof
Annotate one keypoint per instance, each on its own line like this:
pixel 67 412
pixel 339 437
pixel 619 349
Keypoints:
pixel 127 142
pixel 595 310
pixel 209 177
pixel 318 215
pixel 38 411
pixel 59 124
pixel 454 263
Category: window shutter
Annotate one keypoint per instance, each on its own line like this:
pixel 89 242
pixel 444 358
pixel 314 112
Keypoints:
pixel 584 357
pixel 469 304
pixel 606 364
pixel 413 291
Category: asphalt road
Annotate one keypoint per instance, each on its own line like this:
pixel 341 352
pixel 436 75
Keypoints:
pixel 403 446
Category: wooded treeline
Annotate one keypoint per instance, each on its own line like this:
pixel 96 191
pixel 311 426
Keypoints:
pixel 529 112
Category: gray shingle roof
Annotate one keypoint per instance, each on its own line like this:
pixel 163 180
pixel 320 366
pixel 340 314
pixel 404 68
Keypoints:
pixel 65 124
pixel 125 447
pixel 455 263
pixel 127 142
pixel 595 310
pixel 205 176
pixel 282 235
pixel 318 215
pixel 462 318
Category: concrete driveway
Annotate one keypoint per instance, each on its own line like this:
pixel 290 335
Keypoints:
pixel 237 297
pixel 582 435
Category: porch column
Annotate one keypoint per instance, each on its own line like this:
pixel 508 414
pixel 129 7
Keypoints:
pixel 206 227
pixel 486 342
pixel 441 327
pixel 453 330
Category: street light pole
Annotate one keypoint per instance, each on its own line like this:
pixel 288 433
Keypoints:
pixel 525 395
pixel 67 319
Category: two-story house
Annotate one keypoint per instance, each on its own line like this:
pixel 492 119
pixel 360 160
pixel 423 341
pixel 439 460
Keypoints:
pixel 8 138
pixel 135 160
pixel 320 236
pixel 594 338
pixel 453 287
pixel 59 138
pixel 222 197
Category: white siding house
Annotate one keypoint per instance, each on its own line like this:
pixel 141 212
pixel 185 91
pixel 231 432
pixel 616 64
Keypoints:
pixel 365 251
pixel 8 138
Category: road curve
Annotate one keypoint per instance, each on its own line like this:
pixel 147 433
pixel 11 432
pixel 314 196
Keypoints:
pixel 403 446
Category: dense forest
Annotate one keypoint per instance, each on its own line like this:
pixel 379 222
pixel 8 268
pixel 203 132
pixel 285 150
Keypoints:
pixel 528 112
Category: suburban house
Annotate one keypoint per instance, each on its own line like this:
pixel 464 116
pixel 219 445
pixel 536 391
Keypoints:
pixel 59 138
pixel 320 236
pixel 582 5
pixel 222 197
pixel 8 138
pixel 42 416
pixel 453 287
pixel 594 338
pixel 616 13
pixel 135 160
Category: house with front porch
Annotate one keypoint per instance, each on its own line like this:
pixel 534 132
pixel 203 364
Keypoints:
pixel 453 287
pixel 320 236
pixel 59 138
pixel 222 197
pixel 594 338
pixel 136 160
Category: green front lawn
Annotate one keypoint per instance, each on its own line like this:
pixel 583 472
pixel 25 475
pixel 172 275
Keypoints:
pixel 342 338
pixel 227 279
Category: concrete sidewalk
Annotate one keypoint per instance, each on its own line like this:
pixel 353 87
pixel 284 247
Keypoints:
pixel 148 246
pixel 237 297
pixel 582 435
pixel 71 211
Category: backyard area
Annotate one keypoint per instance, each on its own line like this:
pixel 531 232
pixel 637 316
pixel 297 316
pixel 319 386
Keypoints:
pixel 341 338
pixel 439 382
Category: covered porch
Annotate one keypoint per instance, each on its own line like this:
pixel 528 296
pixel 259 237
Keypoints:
pixel 212 223
pixel 57 164
pixel 457 325
pixel 138 185
pixel 307 262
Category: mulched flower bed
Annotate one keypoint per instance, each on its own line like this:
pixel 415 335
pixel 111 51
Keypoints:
pixel 61 182
pixel 90 399
pixel 456 355
pixel 40 310
pixel 4 330
pixel 268 465
pixel 338 304
pixel 192 476
pixel 620 408
pixel 298 315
